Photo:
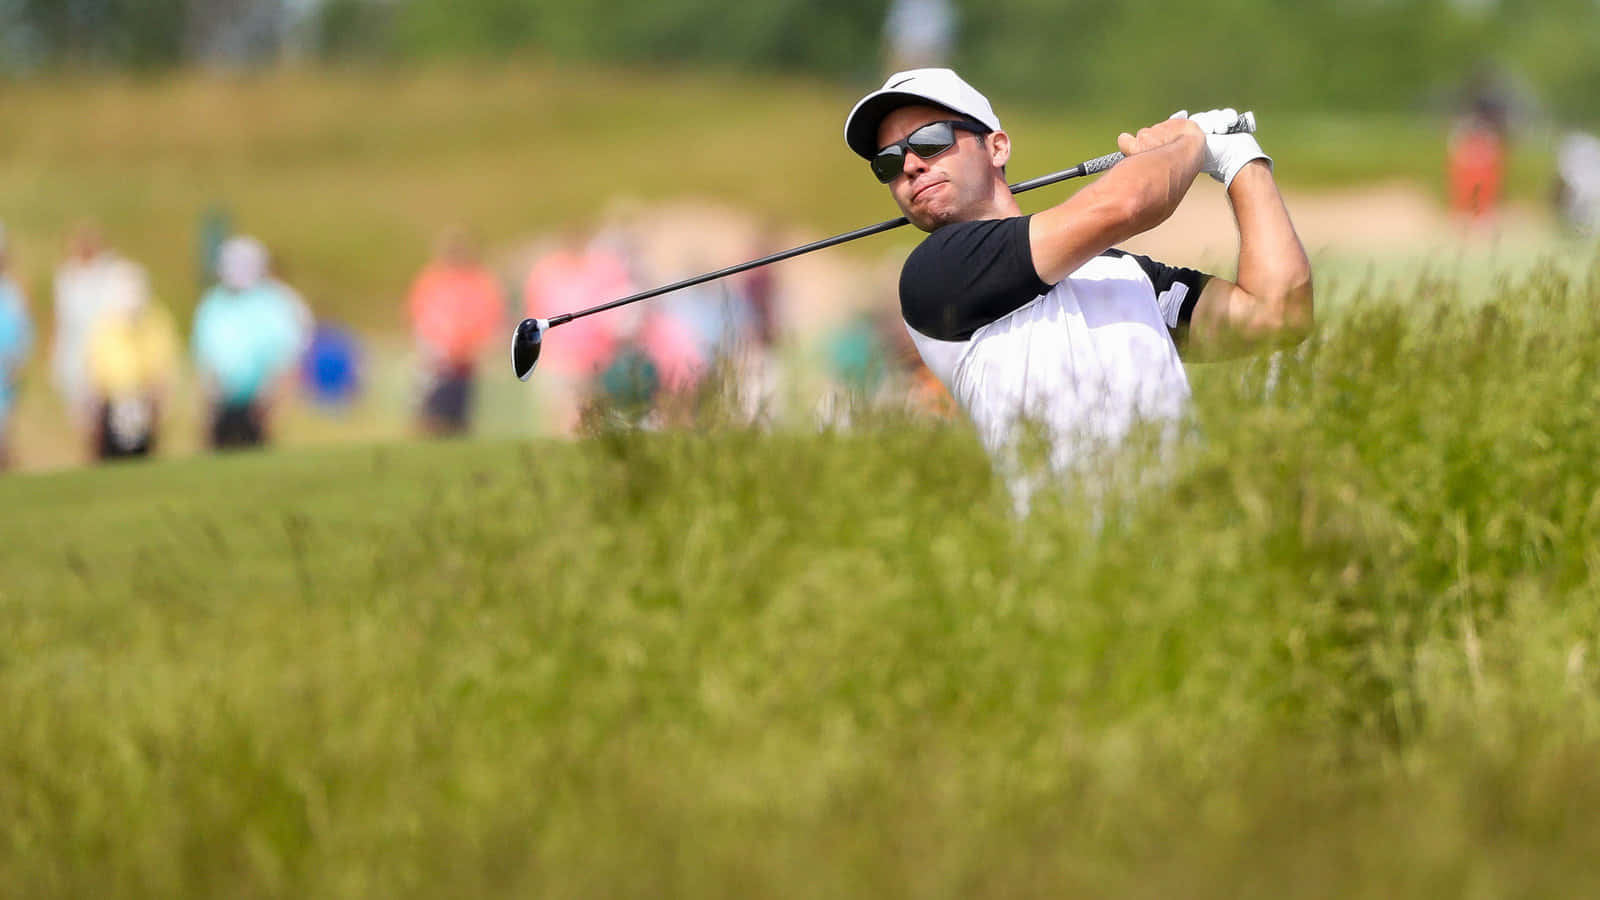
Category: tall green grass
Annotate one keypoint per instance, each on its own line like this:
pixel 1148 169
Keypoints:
pixel 1348 649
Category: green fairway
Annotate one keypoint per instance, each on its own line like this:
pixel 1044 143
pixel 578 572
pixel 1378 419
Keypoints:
pixel 1349 650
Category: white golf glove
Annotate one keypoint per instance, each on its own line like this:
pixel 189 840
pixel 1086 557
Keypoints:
pixel 1226 153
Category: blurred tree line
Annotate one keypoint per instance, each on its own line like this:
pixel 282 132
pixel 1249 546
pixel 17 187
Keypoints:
pixel 1341 54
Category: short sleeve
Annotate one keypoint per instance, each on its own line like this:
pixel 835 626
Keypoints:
pixel 967 275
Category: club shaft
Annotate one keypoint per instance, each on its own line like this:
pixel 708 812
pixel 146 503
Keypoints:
pixel 734 270
pixel 1105 162
pixel 1089 167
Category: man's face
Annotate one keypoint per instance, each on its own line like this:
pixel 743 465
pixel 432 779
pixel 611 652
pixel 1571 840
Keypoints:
pixel 955 186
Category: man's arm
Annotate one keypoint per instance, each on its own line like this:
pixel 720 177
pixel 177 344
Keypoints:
pixel 1270 304
pixel 1138 194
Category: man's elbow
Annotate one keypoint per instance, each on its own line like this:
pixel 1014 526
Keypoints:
pixel 1290 313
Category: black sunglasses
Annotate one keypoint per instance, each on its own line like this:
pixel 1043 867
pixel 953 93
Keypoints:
pixel 927 142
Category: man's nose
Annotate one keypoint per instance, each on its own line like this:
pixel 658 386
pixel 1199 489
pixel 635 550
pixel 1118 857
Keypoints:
pixel 913 165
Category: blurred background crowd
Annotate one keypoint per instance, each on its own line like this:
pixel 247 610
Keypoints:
pixel 117 363
pixel 132 334
pixel 116 360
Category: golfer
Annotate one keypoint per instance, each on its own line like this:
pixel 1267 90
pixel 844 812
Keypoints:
pixel 1038 319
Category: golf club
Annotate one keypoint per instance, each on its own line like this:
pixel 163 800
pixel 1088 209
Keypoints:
pixel 528 339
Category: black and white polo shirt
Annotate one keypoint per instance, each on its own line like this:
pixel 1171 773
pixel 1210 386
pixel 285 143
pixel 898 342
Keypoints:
pixel 1086 357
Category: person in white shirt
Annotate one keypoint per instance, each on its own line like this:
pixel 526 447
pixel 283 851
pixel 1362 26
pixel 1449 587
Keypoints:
pixel 1577 182
pixel 83 281
pixel 1039 319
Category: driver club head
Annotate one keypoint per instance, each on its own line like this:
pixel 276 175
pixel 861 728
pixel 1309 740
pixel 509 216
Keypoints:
pixel 525 346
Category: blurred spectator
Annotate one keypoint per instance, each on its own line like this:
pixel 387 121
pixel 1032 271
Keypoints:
pixel 675 346
pixel 249 331
pixel 703 337
pixel 1577 187
pixel 82 283
pixel 133 359
pixel 759 286
pixel 569 278
pixel 758 365
pixel 457 311
pixel 16 340
pixel 653 370
pixel 872 362
pixel 714 314
pixel 925 393
pixel 331 366
pixel 1477 150
pixel 215 226
pixel 856 356
pixel 629 386
pixel 305 319
pixel 573 276
pixel 918 33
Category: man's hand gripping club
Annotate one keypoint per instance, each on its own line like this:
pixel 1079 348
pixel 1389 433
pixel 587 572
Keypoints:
pixel 1226 153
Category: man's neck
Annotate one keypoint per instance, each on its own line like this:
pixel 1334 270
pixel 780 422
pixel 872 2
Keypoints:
pixel 1003 204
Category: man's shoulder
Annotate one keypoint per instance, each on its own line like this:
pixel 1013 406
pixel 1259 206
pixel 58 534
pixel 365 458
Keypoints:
pixel 960 241
pixel 966 275
pixel 969 228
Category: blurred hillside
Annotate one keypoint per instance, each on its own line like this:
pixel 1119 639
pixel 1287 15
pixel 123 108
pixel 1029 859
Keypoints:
pixel 348 173
pixel 346 132
pixel 1327 54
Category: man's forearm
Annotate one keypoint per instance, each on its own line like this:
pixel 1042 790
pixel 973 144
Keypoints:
pixel 1273 266
pixel 1138 194
pixel 1158 179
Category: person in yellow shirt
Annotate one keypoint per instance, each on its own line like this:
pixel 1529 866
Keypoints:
pixel 133 358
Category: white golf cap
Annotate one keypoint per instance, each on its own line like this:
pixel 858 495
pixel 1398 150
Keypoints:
pixel 938 87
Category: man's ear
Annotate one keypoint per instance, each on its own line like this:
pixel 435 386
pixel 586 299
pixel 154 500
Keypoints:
pixel 999 148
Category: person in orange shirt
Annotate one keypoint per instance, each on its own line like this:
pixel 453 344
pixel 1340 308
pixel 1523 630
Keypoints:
pixel 1477 161
pixel 457 310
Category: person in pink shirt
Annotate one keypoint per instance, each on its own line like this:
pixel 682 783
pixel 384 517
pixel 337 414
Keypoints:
pixel 457 311
pixel 576 275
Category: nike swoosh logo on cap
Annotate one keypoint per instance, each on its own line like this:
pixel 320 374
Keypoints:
pixel 900 82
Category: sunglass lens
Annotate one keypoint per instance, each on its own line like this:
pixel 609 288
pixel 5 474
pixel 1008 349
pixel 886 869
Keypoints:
pixel 931 140
pixel 927 142
pixel 889 162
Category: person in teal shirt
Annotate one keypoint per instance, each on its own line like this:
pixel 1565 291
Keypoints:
pixel 16 339
pixel 249 332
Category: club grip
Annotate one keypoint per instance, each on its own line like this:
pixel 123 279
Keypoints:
pixel 1101 163
pixel 1245 124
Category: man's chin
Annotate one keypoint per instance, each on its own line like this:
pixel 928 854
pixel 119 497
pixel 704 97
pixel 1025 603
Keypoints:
pixel 933 215
pixel 933 219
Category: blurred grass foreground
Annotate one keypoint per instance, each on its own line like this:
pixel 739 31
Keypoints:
pixel 1350 650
